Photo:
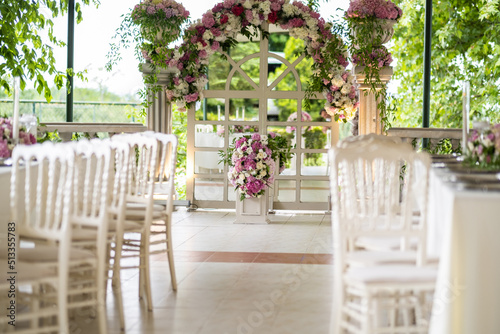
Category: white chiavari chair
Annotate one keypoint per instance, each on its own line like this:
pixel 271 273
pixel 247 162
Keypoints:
pixel 155 218
pixel 41 187
pixel 139 194
pixel 372 198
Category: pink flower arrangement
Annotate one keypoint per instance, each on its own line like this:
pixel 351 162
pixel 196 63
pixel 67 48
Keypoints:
pixel 251 160
pixel 7 142
pixel 483 148
pixel 379 57
pixel 380 9
pixel 219 28
pixel 159 16
pixel 341 96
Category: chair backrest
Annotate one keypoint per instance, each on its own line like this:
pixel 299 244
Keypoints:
pixel 376 189
pixel 365 139
pixel 41 188
pixel 142 160
pixel 92 182
pixel 120 171
pixel 165 169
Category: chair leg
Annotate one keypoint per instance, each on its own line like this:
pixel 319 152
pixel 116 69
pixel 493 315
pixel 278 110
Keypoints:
pixel 101 300
pixel 141 267
pixel 147 278
pixel 170 254
pixel 116 280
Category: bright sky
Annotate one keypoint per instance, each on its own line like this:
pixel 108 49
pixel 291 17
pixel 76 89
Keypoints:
pixel 94 34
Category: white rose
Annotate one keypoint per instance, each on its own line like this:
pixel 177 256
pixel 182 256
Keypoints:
pixel 249 150
pixel 247 4
pixel 337 81
pixel 288 9
pixel 265 7
pixel 263 173
pixel 345 89
pixel 260 165
pixel 208 35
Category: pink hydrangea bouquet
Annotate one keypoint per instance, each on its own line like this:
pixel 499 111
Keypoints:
pixel 380 9
pixel 160 20
pixel 7 142
pixel 252 162
pixel 341 97
pixel 483 148
pixel 378 57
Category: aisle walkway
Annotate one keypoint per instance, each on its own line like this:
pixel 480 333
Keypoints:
pixel 235 278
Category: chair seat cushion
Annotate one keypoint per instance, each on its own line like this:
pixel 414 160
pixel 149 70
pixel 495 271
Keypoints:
pixel 382 243
pixel 86 234
pixel 391 274
pixel 373 258
pixel 31 272
pixel 137 211
pixel 50 253
pixel 142 206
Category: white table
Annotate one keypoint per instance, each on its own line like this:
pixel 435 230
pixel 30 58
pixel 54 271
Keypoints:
pixel 464 228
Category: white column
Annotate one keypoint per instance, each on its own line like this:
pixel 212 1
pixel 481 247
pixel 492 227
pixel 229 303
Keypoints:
pixel 159 113
pixel 369 115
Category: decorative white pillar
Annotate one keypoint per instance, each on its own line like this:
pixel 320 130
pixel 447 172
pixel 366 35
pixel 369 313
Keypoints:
pixel 159 113
pixel 369 115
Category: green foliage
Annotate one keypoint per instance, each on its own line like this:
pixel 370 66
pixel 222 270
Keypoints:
pixel 293 48
pixel 315 138
pixel 179 128
pixel 465 42
pixel 24 50
pixel 443 146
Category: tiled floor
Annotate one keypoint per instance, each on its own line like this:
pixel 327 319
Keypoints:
pixel 235 278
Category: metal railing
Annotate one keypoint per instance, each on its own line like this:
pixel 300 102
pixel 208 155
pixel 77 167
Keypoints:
pixel 435 136
pixel 89 112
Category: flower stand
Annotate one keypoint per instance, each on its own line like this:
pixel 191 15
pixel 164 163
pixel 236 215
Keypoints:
pixel 252 210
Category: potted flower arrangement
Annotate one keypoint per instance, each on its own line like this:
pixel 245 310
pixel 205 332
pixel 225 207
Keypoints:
pixel 7 143
pixel 151 26
pixel 252 162
pixel 370 26
pixel 483 148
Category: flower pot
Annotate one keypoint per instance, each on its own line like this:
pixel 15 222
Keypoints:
pixel 252 210
pixel 160 35
pixel 382 28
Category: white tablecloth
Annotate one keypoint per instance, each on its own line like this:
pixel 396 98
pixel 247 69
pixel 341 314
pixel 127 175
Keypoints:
pixel 464 227
pixel 4 203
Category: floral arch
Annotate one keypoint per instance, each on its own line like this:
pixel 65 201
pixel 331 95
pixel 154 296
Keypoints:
pixel 218 29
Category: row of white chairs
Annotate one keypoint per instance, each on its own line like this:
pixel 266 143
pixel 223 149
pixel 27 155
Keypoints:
pixel 80 208
pixel 383 278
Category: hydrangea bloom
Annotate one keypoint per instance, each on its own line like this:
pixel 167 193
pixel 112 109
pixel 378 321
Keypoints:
pixel 378 57
pixel 6 140
pixel 252 162
pixel 381 9
pixel 483 148
pixel 168 15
